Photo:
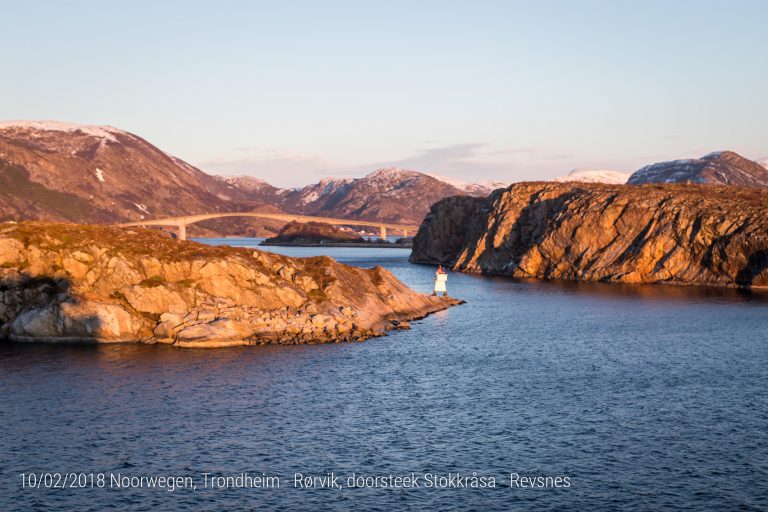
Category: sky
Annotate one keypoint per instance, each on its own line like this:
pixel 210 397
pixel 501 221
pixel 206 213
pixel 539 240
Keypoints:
pixel 292 91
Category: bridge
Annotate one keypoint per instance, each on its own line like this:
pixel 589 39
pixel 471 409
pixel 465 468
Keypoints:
pixel 182 222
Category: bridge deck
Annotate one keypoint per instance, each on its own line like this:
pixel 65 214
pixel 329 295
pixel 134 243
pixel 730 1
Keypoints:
pixel 183 221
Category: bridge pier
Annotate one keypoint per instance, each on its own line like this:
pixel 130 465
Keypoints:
pixel 182 232
pixel 383 232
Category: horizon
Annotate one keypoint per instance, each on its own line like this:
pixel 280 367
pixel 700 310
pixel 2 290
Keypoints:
pixel 294 93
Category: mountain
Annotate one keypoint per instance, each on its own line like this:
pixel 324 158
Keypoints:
pixel 594 176
pixel 390 195
pixel 78 173
pixel 671 234
pixel 57 171
pixel 250 188
pixel 720 167
pixel 763 162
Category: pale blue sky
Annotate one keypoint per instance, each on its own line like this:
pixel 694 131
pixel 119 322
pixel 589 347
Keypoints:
pixel 290 91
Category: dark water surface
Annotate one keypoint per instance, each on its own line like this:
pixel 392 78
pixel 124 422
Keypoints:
pixel 647 398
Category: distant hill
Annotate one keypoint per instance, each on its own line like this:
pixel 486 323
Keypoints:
pixel 721 167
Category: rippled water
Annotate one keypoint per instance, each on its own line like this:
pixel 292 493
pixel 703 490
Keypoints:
pixel 647 398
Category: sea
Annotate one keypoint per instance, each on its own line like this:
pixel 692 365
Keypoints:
pixel 533 395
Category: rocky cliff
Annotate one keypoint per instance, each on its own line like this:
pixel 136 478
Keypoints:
pixel 675 234
pixel 87 283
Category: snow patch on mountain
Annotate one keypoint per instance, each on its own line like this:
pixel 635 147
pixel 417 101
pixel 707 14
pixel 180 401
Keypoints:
pixel 324 188
pixel 100 175
pixel 469 187
pixel 390 176
pixel 248 183
pixel 460 184
pixel 595 176
pixel 104 132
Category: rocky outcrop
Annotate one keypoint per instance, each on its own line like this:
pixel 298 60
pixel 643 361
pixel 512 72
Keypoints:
pixel 97 284
pixel 674 234
pixel 720 168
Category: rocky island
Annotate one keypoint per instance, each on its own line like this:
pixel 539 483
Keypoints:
pixel 659 233
pixel 312 233
pixel 85 283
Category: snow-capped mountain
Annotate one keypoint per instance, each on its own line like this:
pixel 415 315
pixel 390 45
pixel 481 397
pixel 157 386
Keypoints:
pixel 720 167
pixel 763 162
pixel 595 176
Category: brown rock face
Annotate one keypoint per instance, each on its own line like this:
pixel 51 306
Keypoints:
pixel 98 284
pixel 675 234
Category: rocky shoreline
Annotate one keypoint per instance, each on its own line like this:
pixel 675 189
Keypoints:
pixel 661 233
pixel 95 284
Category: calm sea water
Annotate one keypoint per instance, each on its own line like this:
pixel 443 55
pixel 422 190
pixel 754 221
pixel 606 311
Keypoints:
pixel 646 398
